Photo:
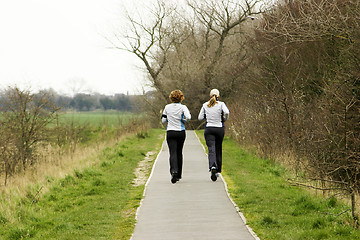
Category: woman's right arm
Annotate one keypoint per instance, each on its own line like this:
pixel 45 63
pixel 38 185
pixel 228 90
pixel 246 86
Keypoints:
pixel 202 115
pixel 164 116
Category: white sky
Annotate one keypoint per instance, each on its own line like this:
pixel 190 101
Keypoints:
pixel 59 44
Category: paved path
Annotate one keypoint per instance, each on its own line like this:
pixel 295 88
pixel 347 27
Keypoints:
pixel 193 208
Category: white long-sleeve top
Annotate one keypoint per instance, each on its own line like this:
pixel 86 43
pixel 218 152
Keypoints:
pixel 216 115
pixel 176 115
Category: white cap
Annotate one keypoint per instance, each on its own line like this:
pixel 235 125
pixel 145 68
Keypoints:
pixel 214 92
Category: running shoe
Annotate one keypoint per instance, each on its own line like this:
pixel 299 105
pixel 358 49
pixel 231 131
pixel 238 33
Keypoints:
pixel 174 178
pixel 213 174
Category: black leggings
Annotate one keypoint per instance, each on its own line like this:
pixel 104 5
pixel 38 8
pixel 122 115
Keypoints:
pixel 214 137
pixel 175 141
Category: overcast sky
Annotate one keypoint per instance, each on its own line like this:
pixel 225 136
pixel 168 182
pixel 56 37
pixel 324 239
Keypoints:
pixel 59 44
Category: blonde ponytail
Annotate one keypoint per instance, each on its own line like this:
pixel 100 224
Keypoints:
pixel 212 101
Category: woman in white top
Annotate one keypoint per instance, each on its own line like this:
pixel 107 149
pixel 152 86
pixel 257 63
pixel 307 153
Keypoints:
pixel 216 113
pixel 176 115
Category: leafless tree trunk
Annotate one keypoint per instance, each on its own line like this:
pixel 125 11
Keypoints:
pixel 223 19
pixel 149 40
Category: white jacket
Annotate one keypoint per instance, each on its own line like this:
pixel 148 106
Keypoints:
pixel 216 115
pixel 176 115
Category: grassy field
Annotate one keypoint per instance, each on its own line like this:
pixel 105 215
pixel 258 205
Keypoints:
pixel 97 118
pixel 97 202
pixel 276 210
pixel 87 127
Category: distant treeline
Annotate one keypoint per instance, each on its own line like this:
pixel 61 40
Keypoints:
pixel 89 102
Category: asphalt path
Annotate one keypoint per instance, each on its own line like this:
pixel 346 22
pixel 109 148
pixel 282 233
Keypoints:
pixel 193 208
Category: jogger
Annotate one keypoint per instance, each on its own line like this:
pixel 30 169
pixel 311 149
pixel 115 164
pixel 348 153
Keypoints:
pixel 216 113
pixel 176 115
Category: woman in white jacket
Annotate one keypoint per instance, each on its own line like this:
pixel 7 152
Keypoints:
pixel 216 113
pixel 175 115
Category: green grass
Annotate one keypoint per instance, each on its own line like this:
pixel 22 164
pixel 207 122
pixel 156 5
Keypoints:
pixel 97 202
pixel 97 118
pixel 93 126
pixel 273 208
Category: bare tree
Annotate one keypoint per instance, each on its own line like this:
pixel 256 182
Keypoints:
pixel 221 19
pixel 7 160
pixel 76 85
pixel 27 116
pixel 184 49
pixel 149 40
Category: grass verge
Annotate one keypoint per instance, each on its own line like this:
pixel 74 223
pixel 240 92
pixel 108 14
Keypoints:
pixel 98 202
pixel 273 208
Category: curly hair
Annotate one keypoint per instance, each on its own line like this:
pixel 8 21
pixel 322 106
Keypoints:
pixel 176 96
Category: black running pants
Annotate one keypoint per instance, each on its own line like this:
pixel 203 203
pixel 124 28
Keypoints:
pixel 214 137
pixel 175 141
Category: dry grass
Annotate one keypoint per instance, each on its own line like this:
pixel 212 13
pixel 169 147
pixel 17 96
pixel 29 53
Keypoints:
pixel 53 163
pixel 55 166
